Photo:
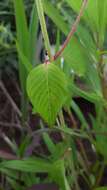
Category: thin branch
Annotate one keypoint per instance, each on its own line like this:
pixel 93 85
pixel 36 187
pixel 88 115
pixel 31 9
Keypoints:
pixel 10 99
pixel 76 132
pixel 5 124
pixel 73 30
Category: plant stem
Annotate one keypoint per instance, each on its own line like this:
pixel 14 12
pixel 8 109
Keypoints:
pixel 43 26
pixel 62 121
pixel 102 77
pixel 100 175
pixel 73 30
pixel 78 141
pixel 72 119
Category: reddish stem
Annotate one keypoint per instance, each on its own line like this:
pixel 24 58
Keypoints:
pixel 73 30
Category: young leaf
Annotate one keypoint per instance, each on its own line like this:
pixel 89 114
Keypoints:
pixel 47 90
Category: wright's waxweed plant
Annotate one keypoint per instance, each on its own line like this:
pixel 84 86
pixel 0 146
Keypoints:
pixel 52 86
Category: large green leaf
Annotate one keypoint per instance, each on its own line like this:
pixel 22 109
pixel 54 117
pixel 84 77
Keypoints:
pixel 85 40
pixel 47 90
pixel 59 19
pixel 75 57
pixel 55 170
pixel 75 54
pixel 90 14
pixel 94 15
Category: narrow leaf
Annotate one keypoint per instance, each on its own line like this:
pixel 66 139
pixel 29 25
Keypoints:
pixel 28 165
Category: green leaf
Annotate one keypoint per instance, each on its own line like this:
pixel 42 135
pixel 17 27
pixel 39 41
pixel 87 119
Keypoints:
pixel 102 12
pixel 14 184
pixel 9 173
pixel 94 15
pixel 48 141
pixel 47 90
pixel 75 57
pixel 93 79
pixel 90 96
pixel 29 165
pixel 90 14
pixel 82 50
pixel 56 17
pixel 57 173
pixel 21 26
pixel 24 59
pixel 86 40
pixel 101 188
pixel 23 41
pixel 59 150
pixel 79 113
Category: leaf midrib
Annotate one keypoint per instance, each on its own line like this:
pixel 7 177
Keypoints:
pixel 49 93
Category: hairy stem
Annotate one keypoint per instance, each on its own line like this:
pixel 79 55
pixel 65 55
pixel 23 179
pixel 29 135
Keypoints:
pixel 73 30
pixel 43 25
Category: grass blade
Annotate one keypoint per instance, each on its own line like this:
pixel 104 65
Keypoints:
pixel 23 40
